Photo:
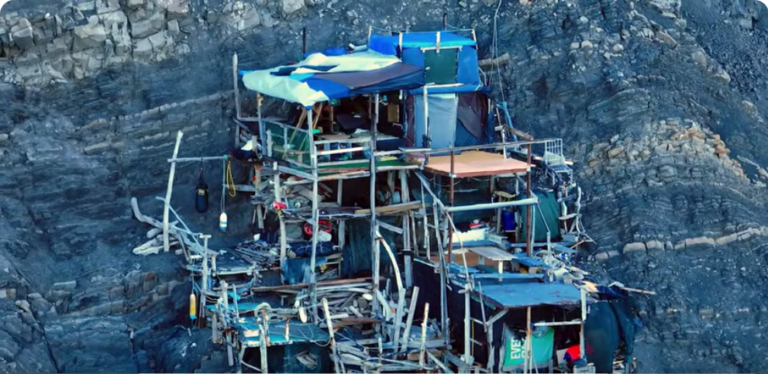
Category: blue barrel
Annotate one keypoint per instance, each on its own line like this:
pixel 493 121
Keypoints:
pixel 508 220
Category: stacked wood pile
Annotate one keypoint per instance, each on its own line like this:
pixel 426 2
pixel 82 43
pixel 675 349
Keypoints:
pixel 403 347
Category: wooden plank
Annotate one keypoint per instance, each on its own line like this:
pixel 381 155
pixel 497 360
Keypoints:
pixel 396 208
pixel 492 253
pixel 424 333
pixel 235 86
pixel 334 351
pixel 306 285
pixel 409 321
pixel 392 228
pixel 474 163
pixel 400 291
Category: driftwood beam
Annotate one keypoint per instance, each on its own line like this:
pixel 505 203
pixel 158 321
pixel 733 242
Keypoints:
pixel 188 159
pixel 166 209
pixel 306 285
pixel 501 60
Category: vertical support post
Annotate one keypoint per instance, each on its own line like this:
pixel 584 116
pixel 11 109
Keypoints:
pixel 529 233
pixel 467 323
pixel 315 211
pixel 409 320
pixel 425 223
pixel 215 328
pixel 443 279
pixel 205 263
pixel 234 300
pixel 313 258
pixel 278 198
pixel 167 207
pixel 445 21
pixel 532 228
pixel 499 228
pixel 424 335
pixel 262 130
pixel 204 280
pixel 374 225
pixel 582 343
pixel 425 141
pixel 263 349
pixel 450 203
pixel 225 298
pixel 405 197
pixel 264 341
pixel 235 87
pixel 491 350
pixel 240 359
pixel 528 333
pixel 334 352
pixel 342 222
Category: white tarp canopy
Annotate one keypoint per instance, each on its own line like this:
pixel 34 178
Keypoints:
pixel 288 87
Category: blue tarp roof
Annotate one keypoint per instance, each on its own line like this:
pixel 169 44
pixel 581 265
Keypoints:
pixel 528 294
pixel 321 78
pixel 387 44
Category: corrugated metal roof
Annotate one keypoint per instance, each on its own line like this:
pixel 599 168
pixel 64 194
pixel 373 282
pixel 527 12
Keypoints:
pixel 525 294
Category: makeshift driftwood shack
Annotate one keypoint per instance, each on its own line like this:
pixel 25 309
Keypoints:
pixel 394 204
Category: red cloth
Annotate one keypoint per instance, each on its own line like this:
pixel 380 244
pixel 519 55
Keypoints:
pixel 573 353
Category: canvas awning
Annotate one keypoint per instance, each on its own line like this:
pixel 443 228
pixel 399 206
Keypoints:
pixel 321 78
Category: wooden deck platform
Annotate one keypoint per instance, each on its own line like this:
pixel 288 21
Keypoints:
pixel 473 164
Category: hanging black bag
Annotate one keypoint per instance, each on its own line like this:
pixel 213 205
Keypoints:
pixel 201 193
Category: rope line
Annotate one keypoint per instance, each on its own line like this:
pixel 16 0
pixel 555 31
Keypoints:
pixel 230 180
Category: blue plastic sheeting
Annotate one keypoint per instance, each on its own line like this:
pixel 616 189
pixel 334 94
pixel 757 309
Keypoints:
pixel 414 57
pixel 304 249
pixel 521 295
pixel 468 67
pixel 442 111
pixel 331 89
pixel 298 333
pixel 407 81
pixel 334 51
pixel 388 44
pixel 295 270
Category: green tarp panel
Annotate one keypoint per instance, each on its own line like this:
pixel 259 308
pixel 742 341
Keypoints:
pixel 442 67
pixel 550 209
pixel 542 348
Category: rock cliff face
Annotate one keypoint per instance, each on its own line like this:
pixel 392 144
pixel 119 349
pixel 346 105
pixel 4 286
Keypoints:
pixel 661 102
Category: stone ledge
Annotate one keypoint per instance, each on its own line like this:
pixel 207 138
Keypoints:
pixel 701 242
